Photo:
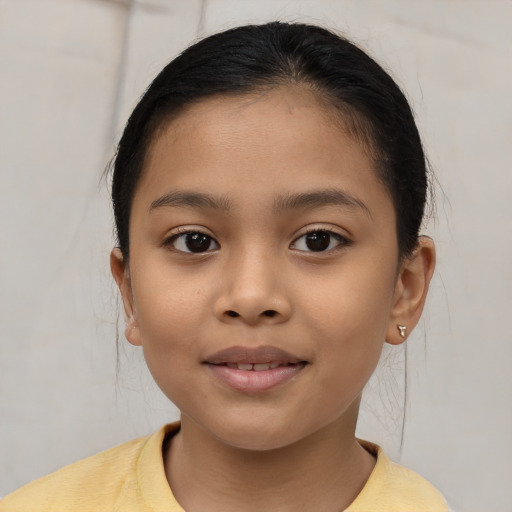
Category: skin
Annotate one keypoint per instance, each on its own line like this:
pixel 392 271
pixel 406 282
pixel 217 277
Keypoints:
pixel 291 447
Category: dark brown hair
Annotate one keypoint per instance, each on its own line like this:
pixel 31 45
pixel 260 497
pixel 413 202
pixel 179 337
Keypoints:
pixel 252 57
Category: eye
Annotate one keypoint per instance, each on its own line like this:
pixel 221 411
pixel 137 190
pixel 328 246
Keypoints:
pixel 319 240
pixel 192 242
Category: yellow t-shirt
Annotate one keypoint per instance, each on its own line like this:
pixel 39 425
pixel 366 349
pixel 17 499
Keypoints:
pixel 131 478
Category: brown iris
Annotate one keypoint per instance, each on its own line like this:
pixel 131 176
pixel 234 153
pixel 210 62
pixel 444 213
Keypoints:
pixel 318 240
pixel 197 242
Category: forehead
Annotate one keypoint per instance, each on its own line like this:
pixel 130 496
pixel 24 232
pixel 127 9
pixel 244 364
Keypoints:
pixel 286 139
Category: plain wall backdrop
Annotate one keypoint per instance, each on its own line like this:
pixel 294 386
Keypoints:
pixel 71 71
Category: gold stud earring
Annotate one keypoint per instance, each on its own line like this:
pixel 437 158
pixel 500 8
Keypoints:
pixel 402 329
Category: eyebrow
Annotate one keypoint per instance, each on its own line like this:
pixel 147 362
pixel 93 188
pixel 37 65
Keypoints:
pixel 192 200
pixel 319 198
pixel 300 201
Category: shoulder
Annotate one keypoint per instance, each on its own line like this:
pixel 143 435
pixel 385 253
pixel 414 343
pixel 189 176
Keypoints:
pixel 394 488
pixel 96 483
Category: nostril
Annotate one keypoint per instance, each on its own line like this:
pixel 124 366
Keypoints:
pixel 269 313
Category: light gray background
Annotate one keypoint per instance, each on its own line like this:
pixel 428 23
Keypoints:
pixel 71 70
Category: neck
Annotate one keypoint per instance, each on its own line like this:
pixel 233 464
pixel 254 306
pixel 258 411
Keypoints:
pixel 325 471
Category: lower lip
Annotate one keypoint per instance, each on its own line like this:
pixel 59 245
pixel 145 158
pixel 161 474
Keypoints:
pixel 251 381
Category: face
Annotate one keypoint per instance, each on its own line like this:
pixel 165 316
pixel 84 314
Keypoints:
pixel 263 276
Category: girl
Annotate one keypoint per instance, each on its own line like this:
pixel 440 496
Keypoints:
pixel 268 193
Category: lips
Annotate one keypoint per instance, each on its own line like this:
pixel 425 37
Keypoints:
pixel 257 367
pixel 254 369
pixel 253 356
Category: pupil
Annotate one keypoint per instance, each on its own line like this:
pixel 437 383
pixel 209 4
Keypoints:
pixel 197 242
pixel 318 241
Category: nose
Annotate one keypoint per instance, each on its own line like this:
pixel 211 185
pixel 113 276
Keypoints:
pixel 253 292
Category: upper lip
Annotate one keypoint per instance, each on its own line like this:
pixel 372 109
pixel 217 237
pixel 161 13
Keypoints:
pixel 250 355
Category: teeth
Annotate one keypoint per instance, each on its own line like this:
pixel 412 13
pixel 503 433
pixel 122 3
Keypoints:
pixel 258 367
pixel 261 366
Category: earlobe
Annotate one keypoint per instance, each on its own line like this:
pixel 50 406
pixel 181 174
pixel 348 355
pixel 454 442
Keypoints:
pixel 411 291
pixel 121 275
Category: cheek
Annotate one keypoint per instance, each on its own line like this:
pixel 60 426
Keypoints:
pixel 170 312
pixel 354 301
pixel 349 315
pixel 169 337
pixel 163 295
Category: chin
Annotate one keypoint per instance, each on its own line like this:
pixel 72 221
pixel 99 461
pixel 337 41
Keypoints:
pixel 258 434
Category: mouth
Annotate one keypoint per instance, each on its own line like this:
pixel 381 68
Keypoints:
pixel 254 370
pixel 259 367
pixel 242 357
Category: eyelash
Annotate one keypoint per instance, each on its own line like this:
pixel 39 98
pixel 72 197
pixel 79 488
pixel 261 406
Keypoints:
pixel 327 236
pixel 342 241
pixel 182 233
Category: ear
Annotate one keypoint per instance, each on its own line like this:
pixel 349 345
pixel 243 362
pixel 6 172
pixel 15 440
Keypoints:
pixel 411 290
pixel 121 274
